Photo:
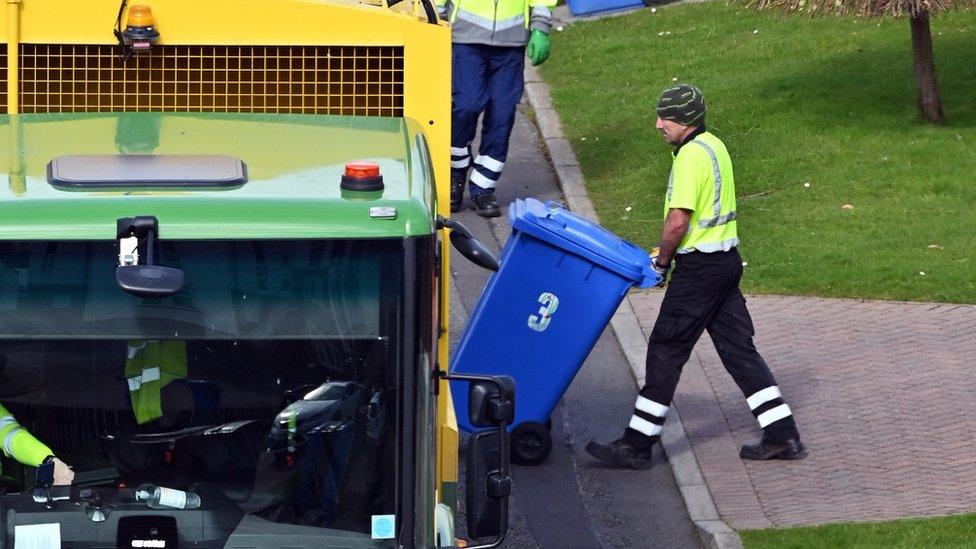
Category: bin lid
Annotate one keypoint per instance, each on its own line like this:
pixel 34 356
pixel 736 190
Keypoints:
pixel 554 224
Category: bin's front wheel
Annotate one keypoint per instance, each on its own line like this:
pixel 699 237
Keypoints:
pixel 531 443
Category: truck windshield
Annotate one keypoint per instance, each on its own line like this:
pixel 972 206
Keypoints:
pixel 268 387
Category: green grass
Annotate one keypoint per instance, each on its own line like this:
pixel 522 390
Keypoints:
pixel 943 532
pixel 829 102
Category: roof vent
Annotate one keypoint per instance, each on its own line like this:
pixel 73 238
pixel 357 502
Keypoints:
pixel 146 170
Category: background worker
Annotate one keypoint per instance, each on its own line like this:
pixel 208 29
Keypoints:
pixel 489 47
pixel 699 234
pixel 22 446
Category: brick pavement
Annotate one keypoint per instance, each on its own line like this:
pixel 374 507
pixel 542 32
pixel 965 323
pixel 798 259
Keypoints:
pixel 884 394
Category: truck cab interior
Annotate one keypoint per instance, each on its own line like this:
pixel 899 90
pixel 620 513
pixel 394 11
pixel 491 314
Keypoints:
pixel 268 386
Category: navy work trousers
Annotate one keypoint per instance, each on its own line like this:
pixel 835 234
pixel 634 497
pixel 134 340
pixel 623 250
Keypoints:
pixel 485 79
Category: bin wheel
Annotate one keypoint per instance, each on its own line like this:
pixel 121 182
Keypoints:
pixel 531 443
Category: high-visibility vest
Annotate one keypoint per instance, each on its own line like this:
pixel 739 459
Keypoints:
pixel 497 22
pixel 150 366
pixel 20 444
pixel 701 180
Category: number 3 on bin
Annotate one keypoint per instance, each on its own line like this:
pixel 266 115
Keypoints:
pixel 549 304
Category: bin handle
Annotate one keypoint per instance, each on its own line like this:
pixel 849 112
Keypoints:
pixel 651 277
pixel 552 206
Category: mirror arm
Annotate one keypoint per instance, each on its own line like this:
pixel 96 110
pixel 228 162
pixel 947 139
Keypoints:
pixel 504 443
pixel 453 225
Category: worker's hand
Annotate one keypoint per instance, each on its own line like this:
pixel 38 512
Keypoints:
pixel 538 49
pixel 63 475
pixel 661 270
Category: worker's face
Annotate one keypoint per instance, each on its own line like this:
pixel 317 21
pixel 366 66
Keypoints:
pixel 672 132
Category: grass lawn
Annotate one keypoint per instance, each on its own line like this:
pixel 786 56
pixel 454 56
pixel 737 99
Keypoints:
pixel 817 113
pixel 945 532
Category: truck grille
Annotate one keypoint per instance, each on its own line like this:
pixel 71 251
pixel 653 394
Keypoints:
pixel 342 80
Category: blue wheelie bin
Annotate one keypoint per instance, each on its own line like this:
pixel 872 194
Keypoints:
pixel 561 279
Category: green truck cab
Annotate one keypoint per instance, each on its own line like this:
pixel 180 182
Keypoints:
pixel 195 302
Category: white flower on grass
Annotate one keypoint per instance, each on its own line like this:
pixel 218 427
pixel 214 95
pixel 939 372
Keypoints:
pixel 745 263
pixel 559 28
pixel 921 273
pixel 755 31
pixel 806 185
pixel 653 10
pixel 627 209
pixel 848 206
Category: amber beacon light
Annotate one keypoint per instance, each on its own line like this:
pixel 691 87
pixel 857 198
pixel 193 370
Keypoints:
pixel 140 29
pixel 362 176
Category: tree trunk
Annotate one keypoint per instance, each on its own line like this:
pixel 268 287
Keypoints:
pixel 929 103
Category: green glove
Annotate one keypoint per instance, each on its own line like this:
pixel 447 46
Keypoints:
pixel 538 49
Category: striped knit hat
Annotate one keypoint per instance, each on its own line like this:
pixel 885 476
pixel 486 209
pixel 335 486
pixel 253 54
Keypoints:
pixel 683 104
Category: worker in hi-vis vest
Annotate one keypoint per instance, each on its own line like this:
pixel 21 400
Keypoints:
pixel 149 366
pixel 22 446
pixel 490 41
pixel 700 237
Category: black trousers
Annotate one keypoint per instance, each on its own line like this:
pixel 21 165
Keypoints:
pixel 704 294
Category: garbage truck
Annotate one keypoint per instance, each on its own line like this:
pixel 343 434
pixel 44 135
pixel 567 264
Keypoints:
pixel 224 245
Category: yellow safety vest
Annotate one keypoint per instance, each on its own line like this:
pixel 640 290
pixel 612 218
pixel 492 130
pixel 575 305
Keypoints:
pixel 497 22
pixel 701 181
pixel 150 366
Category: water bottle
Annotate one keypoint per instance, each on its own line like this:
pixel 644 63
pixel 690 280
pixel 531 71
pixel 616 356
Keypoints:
pixel 158 497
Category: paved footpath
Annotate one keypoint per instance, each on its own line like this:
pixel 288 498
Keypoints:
pixel 884 394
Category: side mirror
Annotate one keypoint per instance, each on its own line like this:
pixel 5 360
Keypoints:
pixel 487 487
pixel 488 483
pixel 470 247
pixel 489 406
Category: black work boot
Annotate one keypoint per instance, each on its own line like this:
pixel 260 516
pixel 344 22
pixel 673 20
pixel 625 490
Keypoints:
pixel 485 205
pixel 458 179
pixel 772 449
pixel 621 453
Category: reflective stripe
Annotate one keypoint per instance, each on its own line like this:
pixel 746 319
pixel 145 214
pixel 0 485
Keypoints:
pixel 7 420
pixel 718 176
pixel 651 407
pixel 490 163
pixel 480 180
pixel 487 23
pixel 712 247
pixel 459 151
pixel 641 425
pixel 762 397
pixel 472 29
pixel 716 221
pixel 670 184
pixel 8 441
pixel 718 218
pixel 147 375
pixel 775 414
pixel 457 164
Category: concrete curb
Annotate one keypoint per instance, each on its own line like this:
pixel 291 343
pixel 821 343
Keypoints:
pixel 713 532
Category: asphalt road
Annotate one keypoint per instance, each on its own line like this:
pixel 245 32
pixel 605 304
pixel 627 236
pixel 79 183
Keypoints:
pixel 571 501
